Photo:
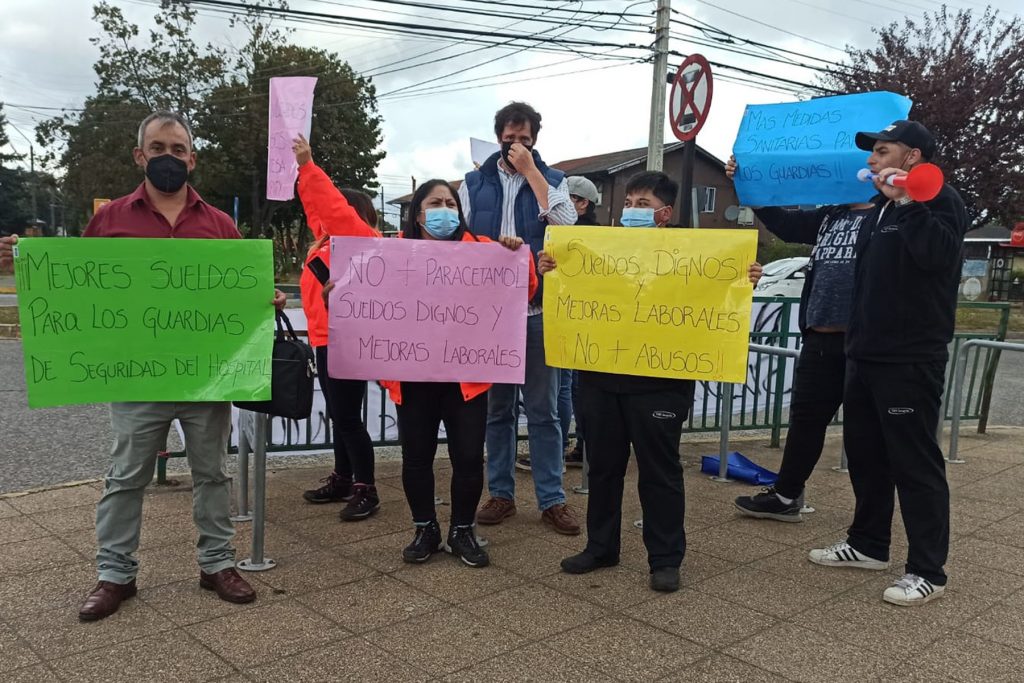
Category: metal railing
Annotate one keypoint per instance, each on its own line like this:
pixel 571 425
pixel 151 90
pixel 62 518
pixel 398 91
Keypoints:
pixel 727 403
pixel 960 374
pixel 762 401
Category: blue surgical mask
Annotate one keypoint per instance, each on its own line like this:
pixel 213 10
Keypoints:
pixel 638 217
pixel 441 223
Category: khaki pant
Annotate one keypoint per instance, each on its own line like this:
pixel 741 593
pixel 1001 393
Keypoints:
pixel 140 431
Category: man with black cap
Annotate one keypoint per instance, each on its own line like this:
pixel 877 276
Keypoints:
pixel 901 322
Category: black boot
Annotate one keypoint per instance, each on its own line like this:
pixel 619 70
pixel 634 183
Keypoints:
pixel 425 543
pixel 335 488
pixel 665 579
pixel 363 504
pixel 463 545
pixel 585 562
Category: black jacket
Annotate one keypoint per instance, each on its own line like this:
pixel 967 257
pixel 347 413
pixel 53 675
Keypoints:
pixel 905 287
pixel 799 227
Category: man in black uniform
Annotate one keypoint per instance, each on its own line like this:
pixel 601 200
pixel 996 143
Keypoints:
pixel 821 369
pixel 904 308
pixel 647 412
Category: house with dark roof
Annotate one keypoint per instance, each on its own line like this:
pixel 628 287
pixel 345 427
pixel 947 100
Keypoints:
pixel 716 205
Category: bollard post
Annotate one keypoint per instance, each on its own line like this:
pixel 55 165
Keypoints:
pixel 241 481
pixel 843 463
pixel 584 487
pixel 257 562
pixel 725 419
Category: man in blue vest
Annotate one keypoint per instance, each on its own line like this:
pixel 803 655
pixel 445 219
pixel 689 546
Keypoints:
pixel 514 193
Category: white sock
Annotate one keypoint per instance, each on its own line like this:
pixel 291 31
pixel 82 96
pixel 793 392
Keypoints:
pixel 787 501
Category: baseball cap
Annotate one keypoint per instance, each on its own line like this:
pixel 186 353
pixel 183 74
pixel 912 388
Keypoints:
pixel 910 133
pixel 582 187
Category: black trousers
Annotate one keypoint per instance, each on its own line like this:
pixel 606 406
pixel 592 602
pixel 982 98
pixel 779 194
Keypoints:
pixel 890 415
pixel 817 394
pixel 353 449
pixel 425 405
pixel 653 423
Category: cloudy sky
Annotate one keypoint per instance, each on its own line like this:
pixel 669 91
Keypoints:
pixel 591 104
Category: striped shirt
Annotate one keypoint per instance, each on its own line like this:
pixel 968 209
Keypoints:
pixel 560 209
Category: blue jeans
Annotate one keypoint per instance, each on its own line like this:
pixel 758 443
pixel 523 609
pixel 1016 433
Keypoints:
pixel 540 398
pixel 565 404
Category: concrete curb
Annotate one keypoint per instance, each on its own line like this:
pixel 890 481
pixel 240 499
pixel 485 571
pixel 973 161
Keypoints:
pixel 42 489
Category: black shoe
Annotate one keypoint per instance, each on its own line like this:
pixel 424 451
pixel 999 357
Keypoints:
pixel 574 457
pixel 425 543
pixel 766 505
pixel 462 544
pixel 665 579
pixel 363 504
pixel 584 563
pixel 336 488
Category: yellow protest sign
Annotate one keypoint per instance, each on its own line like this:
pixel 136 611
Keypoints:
pixel 658 302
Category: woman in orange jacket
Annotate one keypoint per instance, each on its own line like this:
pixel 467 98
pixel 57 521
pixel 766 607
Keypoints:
pixel 332 212
pixel 436 214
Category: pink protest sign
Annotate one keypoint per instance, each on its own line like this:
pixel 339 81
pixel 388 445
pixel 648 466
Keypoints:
pixel 425 311
pixel 291 113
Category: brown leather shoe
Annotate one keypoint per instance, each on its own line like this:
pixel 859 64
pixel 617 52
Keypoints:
pixel 562 519
pixel 496 510
pixel 104 600
pixel 228 584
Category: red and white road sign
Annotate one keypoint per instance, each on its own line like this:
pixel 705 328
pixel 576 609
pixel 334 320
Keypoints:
pixel 1017 236
pixel 690 99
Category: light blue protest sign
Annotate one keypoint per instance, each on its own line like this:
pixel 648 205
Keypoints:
pixel 804 152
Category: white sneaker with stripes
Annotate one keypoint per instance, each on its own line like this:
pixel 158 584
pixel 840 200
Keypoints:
pixel 842 554
pixel 912 590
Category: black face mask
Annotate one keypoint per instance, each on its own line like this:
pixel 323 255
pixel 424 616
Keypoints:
pixel 168 173
pixel 505 147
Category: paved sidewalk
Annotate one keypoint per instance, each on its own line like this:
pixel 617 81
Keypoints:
pixel 341 605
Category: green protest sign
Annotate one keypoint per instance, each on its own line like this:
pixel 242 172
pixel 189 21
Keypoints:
pixel 145 319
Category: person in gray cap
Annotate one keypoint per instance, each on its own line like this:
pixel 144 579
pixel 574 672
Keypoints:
pixel 901 322
pixel 584 196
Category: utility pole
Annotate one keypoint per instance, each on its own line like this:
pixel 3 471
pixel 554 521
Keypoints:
pixel 656 136
pixel 32 174
pixel 380 221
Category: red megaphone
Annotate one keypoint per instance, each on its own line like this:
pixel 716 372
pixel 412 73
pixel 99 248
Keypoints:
pixel 923 182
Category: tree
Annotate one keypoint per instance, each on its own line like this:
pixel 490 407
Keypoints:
pixel 167 71
pixel 15 207
pixel 225 95
pixel 965 74
pixel 345 132
pixel 5 140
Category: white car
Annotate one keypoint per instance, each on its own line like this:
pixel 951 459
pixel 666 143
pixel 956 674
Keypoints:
pixel 784 277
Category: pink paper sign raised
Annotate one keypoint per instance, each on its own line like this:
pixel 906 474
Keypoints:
pixel 425 311
pixel 291 113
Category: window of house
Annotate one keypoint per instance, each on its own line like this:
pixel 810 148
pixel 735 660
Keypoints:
pixel 708 201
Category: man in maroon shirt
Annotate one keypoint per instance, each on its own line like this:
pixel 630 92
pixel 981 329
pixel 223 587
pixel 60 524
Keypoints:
pixel 164 205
